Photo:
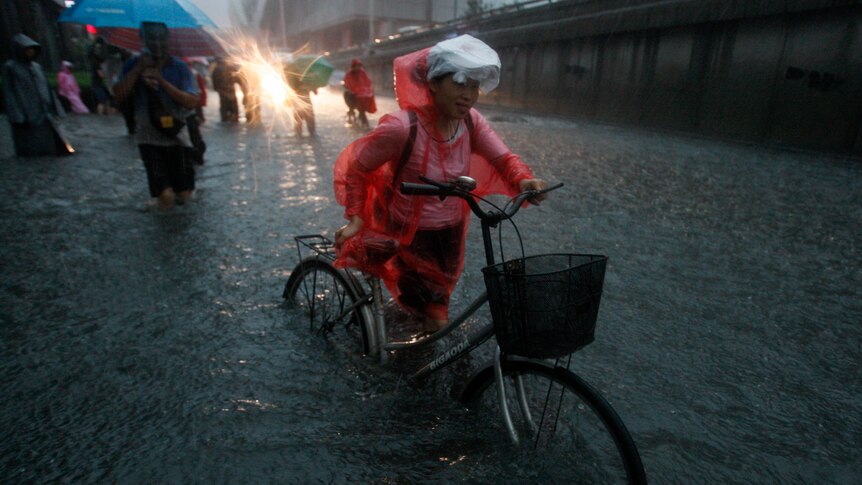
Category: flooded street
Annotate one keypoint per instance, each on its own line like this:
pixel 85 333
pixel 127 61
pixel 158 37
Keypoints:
pixel 139 347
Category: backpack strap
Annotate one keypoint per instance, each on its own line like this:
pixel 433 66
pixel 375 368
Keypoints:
pixel 408 147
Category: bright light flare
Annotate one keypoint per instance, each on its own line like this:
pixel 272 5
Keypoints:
pixel 273 87
pixel 263 75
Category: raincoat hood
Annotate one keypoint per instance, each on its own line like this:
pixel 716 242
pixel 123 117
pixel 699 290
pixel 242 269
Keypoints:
pixel 411 85
pixel 28 96
pixel 20 43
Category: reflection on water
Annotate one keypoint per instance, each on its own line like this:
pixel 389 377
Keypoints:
pixel 146 347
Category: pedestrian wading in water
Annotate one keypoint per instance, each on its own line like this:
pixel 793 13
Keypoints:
pixel 303 110
pixel 32 107
pixel 164 93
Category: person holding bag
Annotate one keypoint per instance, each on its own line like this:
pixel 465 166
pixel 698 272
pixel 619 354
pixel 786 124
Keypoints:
pixel 164 93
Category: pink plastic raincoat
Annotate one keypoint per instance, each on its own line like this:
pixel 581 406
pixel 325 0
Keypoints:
pixel 420 272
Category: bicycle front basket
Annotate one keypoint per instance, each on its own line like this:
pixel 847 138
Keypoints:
pixel 545 306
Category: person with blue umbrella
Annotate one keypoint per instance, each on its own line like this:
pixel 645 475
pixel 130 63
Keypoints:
pixel 164 93
pixel 130 13
pixel 119 20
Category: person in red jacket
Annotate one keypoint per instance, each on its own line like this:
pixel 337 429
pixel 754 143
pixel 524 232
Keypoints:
pixel 359 93
pixel 416 244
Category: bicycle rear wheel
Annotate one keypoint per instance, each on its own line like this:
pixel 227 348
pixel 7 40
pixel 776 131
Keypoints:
pixel 332 303
pixel 568 425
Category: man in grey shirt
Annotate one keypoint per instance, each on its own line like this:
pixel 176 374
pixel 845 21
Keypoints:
pixel 156 79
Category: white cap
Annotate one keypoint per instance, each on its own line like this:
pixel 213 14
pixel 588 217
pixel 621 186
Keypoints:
pixel 467 58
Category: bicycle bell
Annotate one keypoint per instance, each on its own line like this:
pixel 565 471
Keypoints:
pixel 464 182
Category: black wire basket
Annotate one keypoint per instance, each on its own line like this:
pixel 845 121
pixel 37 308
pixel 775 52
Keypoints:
pixel 545 306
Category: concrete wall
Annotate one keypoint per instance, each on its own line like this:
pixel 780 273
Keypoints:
pixel 309 15
pixel 783 72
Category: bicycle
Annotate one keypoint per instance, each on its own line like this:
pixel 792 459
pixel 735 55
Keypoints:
pixel 555 406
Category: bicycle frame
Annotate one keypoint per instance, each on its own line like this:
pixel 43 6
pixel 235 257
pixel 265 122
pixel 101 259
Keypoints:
pixel 464 347
pixel 379 343
pixel 506 371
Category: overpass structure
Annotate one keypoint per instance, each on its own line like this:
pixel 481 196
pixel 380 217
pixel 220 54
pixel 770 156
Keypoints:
pixel 784 72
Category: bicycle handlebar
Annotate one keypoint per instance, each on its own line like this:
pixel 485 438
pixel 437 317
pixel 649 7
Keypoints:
pixel 462 187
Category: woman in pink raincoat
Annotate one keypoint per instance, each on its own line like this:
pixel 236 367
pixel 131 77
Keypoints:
pixel 67 87
pixel 416 244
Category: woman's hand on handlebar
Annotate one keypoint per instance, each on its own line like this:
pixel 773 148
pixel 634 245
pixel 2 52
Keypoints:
pixel 348 230
pixel 534 184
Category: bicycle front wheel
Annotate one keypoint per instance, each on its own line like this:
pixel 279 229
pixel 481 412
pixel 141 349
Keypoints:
pixel 332 303
pixel 562 419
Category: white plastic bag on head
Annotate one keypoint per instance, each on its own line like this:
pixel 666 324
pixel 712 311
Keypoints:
pixel 468 58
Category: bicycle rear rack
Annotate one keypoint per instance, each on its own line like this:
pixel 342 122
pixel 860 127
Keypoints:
pixel 319 244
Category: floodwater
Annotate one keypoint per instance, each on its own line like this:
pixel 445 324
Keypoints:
pixel 139 347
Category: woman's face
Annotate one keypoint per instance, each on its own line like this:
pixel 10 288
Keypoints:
pixel 454 100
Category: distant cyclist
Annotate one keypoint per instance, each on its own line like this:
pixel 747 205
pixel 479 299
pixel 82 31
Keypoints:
pixel 359 93
pixel 416 244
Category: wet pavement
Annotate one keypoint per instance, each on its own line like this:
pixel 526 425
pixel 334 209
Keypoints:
pixel 140 347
